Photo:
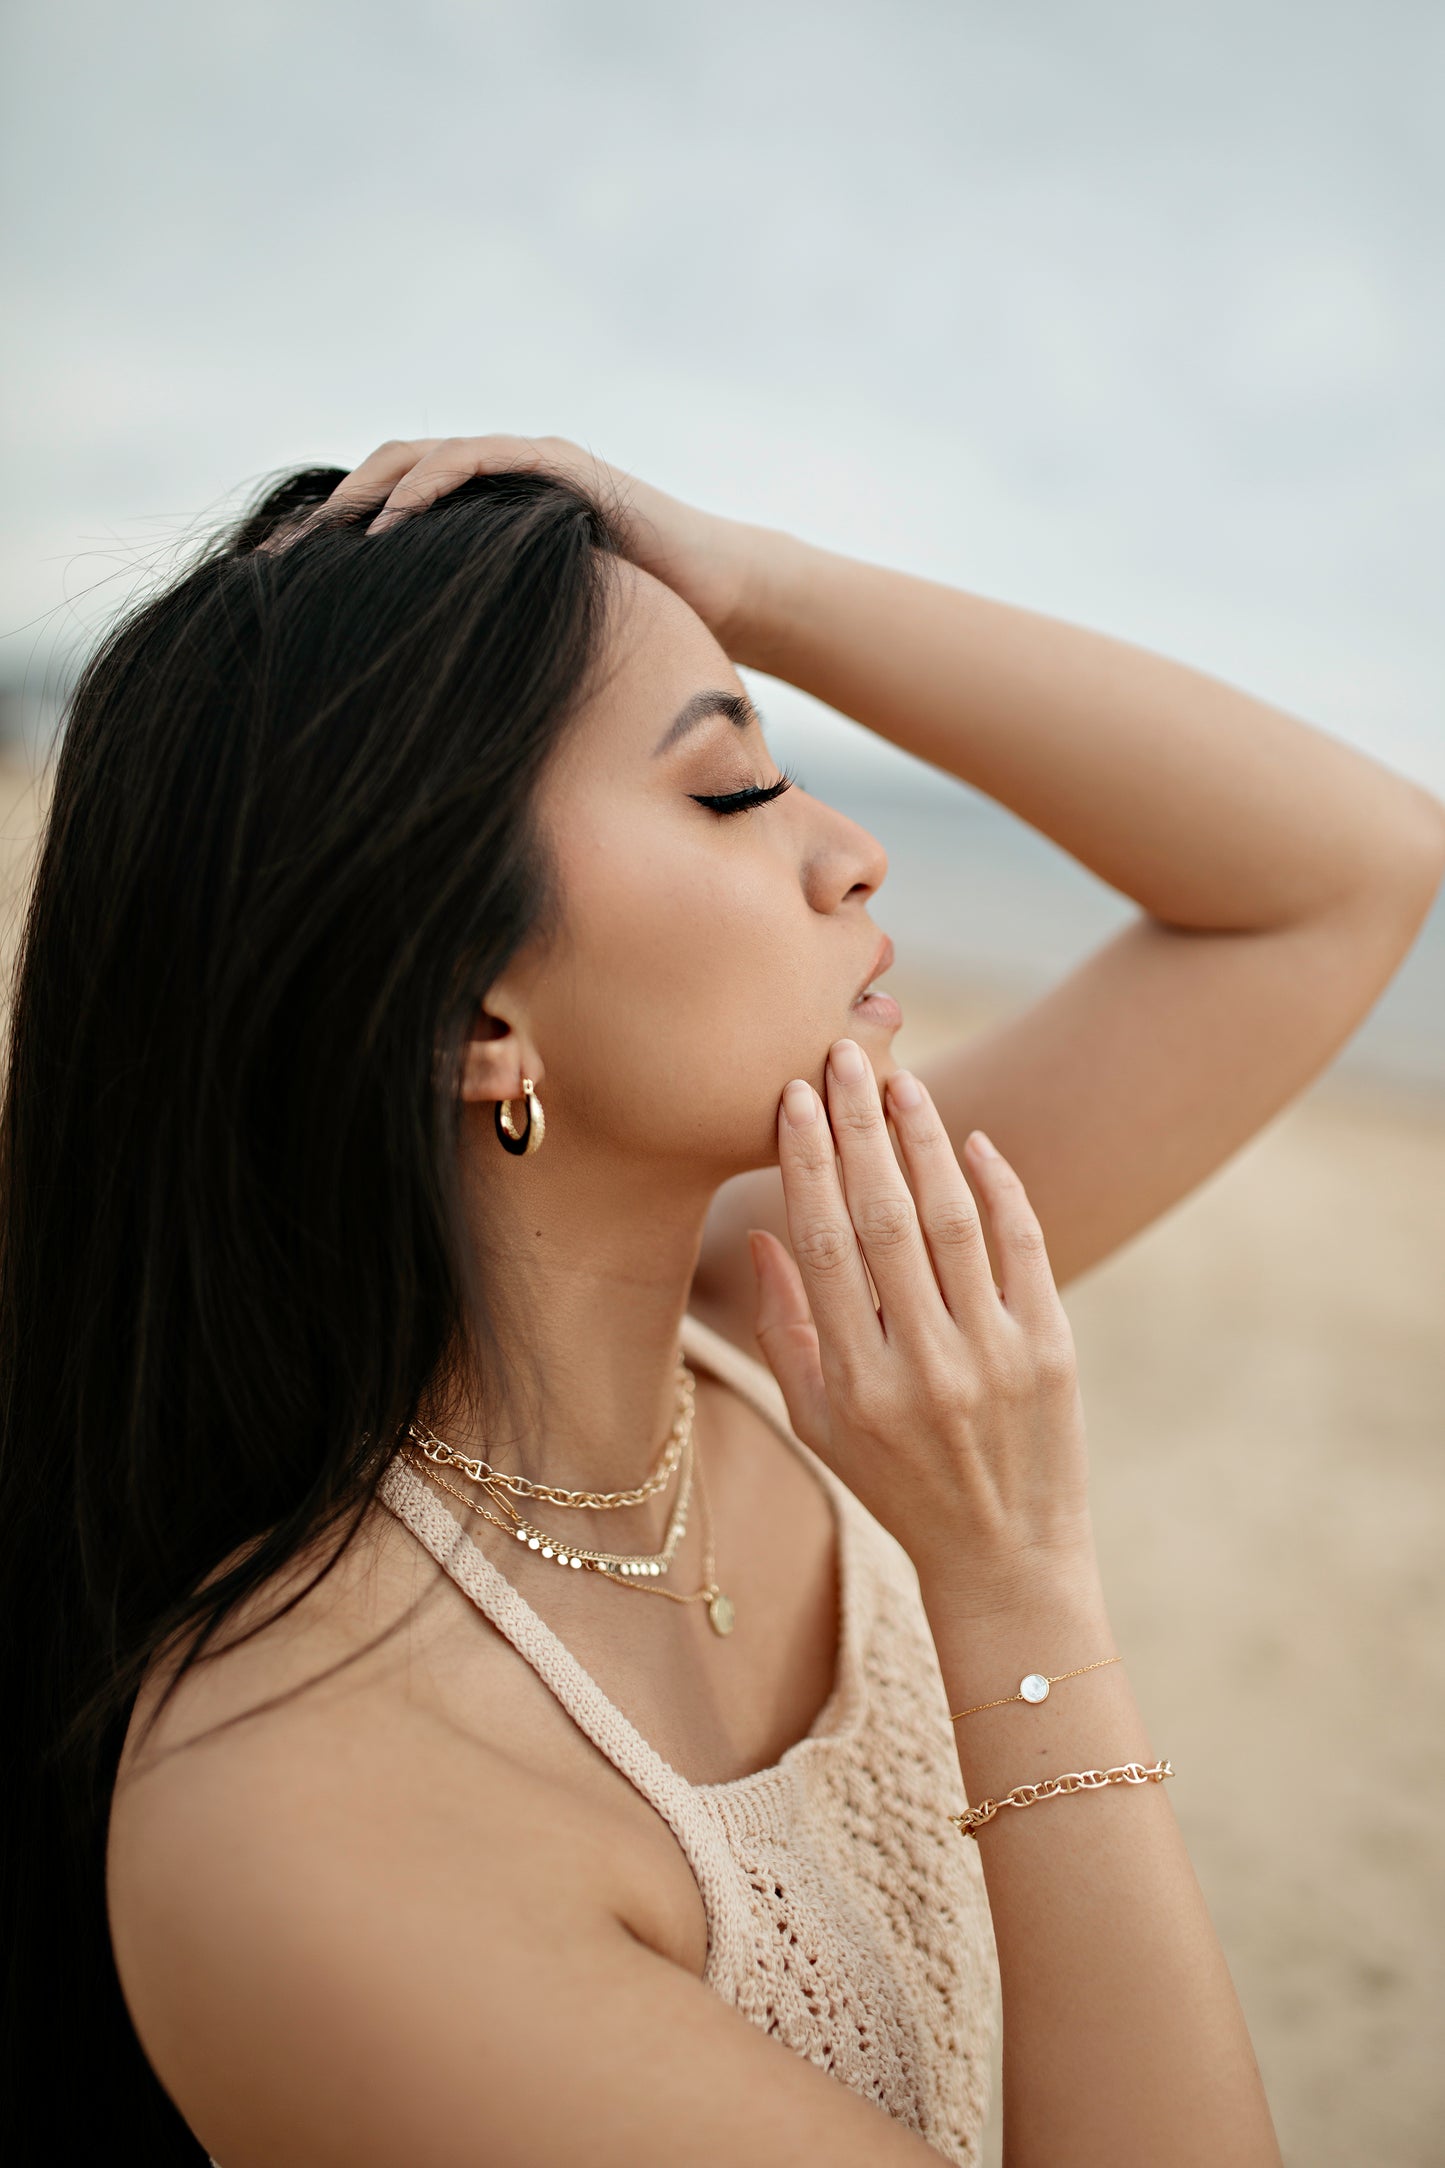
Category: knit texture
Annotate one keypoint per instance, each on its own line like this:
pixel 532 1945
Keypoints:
pixel 845 1917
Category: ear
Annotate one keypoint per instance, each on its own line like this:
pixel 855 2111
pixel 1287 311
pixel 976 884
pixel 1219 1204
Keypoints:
pixel 495 1059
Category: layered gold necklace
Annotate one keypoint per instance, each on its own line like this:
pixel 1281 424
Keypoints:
pixel 629 1568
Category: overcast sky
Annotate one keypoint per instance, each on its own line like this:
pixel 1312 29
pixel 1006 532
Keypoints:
pixel 1124 310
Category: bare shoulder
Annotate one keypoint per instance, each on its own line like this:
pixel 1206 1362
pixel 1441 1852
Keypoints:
pixel 351 1775
pixel 355 1925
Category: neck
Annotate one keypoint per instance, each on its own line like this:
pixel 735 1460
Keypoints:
pixel 587 1269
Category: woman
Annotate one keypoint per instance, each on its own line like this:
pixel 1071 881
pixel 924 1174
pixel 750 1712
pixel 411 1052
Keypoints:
pixel 437 1017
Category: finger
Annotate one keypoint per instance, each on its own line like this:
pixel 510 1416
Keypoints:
pixel 788 1337
pixel 449 463
pixel 372 481
pixel 366 484
pixel 820 1231
pixel 1029 1290
pixel 880 1203
pixel 947 1208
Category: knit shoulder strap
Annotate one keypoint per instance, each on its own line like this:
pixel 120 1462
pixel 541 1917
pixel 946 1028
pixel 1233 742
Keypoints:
pixel 417 1505
pixel 684 1807
pixel 681 1806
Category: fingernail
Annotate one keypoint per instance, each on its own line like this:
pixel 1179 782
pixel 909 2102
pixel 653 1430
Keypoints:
pixel 755 1251
pixel 800 1103
pixel 982 1145
pixel 905 1090
pixel 847 1059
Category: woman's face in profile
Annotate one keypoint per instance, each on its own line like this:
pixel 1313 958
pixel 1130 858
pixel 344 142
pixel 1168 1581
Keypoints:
pixel 703 957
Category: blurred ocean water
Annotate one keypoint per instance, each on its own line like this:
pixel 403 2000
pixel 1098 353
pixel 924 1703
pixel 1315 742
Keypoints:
pixel 974 894
pixel 1127 313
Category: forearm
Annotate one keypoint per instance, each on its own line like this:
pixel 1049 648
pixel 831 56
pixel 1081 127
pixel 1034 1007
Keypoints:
pixel 1122 2034
pixel 1210 808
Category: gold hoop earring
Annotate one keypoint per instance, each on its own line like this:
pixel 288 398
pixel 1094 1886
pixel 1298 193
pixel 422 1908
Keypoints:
pixel 515 1140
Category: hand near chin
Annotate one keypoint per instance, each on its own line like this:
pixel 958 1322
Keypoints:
pixel 952 1409
pixel 702 557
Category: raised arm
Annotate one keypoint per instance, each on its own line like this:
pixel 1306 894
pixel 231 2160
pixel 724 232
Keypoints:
pixel 1281 877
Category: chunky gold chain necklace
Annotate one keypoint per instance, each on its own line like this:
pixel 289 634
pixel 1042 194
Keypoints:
pixel 721 1611
pixel 498 1479
pixel 555 1548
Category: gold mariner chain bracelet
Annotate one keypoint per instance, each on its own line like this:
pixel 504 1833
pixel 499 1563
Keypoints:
pixel 973 1819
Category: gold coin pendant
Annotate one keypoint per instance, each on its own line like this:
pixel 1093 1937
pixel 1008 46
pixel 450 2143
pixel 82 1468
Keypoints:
pixel 720 1612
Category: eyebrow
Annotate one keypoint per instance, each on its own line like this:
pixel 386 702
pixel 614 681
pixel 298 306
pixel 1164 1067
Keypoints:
pixel 737 707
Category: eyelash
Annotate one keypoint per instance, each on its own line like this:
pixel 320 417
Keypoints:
pixel 743 801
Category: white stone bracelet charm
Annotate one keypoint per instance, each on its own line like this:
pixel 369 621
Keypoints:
pixel 1034 1686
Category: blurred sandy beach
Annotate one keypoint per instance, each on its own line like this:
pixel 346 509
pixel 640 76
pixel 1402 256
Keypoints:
pixel 1263 1375
pixel 1264 1379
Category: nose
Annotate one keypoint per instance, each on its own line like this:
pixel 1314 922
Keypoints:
pixel 845 862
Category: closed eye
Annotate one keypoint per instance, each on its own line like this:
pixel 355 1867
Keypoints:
pixel 742 801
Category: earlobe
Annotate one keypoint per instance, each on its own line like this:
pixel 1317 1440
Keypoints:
pixel 494 1069
pixel 494 1061
pixel 479 1078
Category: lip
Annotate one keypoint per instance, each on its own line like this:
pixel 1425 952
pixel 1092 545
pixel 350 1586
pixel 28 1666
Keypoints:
pixel 882 961
pixel 872 1007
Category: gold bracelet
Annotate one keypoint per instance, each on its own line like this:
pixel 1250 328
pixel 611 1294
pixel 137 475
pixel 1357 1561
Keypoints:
pixel 971 1821
pixel 1035 1687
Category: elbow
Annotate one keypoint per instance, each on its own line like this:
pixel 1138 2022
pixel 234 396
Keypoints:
pixel 1422 847
pixel 1405 869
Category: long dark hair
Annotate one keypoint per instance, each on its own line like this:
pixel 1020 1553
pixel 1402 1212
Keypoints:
pixel 291 842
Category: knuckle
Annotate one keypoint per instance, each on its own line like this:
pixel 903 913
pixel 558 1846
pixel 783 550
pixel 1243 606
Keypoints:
pixel 1026 1238
pixel 926 1132
pixel 1006 1181
pixel 825 1249
pixel 1003 1378
pixel 797 1335
pixel 872 1407
pixel 941 1383
pixel 954 1227
pixel 1054 1374
pixel 885 1223
pixel 1055 1361
pixel 859 1120
pixel 810 1151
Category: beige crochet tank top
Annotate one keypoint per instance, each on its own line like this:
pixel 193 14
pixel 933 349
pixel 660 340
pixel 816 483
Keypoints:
pixel 844 1915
